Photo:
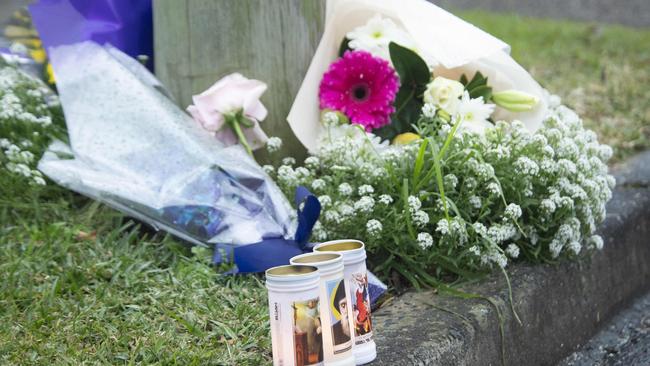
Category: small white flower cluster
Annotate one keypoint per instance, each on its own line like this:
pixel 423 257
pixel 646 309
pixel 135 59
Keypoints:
pixel 273 144
pixel 509 194
pixel 26 122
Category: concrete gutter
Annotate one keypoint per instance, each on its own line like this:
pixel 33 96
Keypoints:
pixel 561 306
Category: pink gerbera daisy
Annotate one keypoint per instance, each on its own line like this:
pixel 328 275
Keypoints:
pixel 361 86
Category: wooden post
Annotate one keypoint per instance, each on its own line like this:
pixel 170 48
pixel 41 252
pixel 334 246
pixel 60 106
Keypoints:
pixel 198 41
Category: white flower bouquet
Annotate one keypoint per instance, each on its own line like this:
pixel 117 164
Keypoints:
pixel 446 157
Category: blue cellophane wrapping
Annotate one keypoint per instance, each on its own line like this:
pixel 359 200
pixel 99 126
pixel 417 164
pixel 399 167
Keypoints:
pixel 133 149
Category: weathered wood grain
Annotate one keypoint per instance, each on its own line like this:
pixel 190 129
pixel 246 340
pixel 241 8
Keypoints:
pixel 198 41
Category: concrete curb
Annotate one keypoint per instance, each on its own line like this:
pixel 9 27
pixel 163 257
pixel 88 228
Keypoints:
pixel 561 306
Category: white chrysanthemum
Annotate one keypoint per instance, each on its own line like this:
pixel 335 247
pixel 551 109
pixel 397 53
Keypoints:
pixel 365 189
pixel 474 114
pixel 425 240
pixel 376 35
pixel 513 251
pixel 273 144
pixel 374 227
pixel 345 189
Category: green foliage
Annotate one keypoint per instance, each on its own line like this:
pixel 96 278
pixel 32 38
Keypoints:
pixel 345 46
pixel 414 75
pixel 477 87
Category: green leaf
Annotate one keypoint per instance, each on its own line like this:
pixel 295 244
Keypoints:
pixel 414 75
pixel 481 91
pixel 419 162
pixel 463 80
pixel 441 187
pixel 412 70
pixel 477 87
pixel 345 46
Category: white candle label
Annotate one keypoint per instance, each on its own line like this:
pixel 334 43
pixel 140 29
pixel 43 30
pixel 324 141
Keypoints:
pixel 307 333
pixel 338 311
pixel 361 307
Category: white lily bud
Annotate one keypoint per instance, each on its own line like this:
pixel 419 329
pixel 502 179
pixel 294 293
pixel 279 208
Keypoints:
pixel 514 100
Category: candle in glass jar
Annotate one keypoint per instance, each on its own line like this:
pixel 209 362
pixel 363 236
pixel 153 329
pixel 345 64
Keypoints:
pixel 334 304
pixel 356 277
pixel 296 329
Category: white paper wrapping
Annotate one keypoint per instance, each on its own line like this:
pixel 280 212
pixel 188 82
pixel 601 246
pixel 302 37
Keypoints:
pixel 451 44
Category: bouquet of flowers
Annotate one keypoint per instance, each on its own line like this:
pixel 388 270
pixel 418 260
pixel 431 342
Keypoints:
pixel 445 170
pixel 165 169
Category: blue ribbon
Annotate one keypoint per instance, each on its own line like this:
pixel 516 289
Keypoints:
pixel 276 251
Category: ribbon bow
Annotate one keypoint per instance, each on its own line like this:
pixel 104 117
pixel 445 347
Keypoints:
pixel 276 251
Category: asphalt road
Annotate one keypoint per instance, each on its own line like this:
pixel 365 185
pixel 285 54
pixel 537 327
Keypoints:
pixel 624 341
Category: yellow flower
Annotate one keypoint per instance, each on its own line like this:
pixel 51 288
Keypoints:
pixel 49 71
pixel 38 55
pixel 406 138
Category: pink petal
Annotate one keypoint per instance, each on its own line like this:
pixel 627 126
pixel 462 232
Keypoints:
pixel 213 123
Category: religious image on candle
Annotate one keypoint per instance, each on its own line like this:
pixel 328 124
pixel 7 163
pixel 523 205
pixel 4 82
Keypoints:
pixel 361 307
pixel 308 332
pixel 338 306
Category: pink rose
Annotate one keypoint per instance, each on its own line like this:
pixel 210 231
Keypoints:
pixel 225 98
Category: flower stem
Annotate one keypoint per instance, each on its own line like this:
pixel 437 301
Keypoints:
pixel 234 123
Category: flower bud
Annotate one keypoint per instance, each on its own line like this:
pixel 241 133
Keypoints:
pixel 406 138
pixel 514 100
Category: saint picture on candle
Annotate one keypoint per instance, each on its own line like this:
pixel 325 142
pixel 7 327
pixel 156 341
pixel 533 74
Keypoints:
pixel 361 307
pixel 338 308
pixel 307 331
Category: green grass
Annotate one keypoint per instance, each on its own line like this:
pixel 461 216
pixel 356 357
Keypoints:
pixel 83 285
pixel 603 72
